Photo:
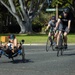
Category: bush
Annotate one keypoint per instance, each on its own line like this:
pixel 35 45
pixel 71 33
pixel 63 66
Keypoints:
pixel 37 28
pixel 40 22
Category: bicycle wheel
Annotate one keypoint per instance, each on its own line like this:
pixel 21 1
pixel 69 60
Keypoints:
pixel 61 51
pixel 53 45
pixel 48 44
pixel 23 54
pixel 60 46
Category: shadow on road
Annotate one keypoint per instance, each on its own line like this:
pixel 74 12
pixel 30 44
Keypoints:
pixel 70 54
pixel 18 61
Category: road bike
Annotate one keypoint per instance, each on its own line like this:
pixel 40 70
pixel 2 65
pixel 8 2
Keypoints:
pixel 51 42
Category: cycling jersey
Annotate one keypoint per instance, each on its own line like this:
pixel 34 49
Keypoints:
pixel 63 26
pixel 64 20
pixel 52 24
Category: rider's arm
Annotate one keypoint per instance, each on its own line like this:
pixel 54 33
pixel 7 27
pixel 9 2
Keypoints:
pixel 59 20
pixel 15 43
pixel 48 27
pixel 69 23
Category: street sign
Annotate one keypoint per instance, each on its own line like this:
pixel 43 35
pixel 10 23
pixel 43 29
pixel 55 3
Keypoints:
pixel 53 9
pixel 50 9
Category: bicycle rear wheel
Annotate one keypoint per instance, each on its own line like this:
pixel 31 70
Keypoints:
pixel 48 45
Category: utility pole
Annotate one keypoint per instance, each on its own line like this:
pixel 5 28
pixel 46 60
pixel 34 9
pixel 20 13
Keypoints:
pixel 56 11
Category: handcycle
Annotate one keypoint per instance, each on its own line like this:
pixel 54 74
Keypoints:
pixel 51 42
pixel 8 53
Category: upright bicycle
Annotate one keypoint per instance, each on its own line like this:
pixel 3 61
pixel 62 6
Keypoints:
pixel 50 42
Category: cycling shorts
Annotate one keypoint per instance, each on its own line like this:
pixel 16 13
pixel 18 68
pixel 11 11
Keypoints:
pixel 52 29
pixel 63 28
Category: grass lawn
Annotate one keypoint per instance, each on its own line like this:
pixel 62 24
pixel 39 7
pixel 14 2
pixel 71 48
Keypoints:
pixel 71 38
pixel 38 38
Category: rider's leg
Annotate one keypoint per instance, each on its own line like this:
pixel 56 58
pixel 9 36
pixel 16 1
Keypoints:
pixel 65 40
pixel 15 45
pixel 55 36
pixel 58 37
pixel 59 33
pixel 65 37
pixel 49 35
pixel 19 46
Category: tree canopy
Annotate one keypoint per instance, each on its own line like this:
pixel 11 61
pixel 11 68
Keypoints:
pixel 25 11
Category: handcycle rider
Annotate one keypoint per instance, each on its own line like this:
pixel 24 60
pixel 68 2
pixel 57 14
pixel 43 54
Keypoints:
pixel 51 26
pixel 64 23
pixel 11 46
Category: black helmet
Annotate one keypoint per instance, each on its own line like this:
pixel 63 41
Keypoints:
pixel 66 10
pixel 53 18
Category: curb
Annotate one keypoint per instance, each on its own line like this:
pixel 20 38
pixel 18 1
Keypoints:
pixel 35 44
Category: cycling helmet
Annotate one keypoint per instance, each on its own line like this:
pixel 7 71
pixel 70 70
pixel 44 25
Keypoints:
pixel 12 36
pixel 53 18
pixel 66 10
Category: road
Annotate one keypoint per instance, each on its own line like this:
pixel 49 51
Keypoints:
pixel 40 62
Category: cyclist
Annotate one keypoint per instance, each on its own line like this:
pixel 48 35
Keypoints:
pixel 64 22
pixel 51 25
pixel 11 47
pixel 12 44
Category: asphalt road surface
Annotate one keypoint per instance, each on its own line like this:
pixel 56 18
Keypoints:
pixel 40 62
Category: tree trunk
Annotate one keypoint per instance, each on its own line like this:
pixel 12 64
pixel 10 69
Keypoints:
pixel 29 26
pixel 26 27
pixel 21 24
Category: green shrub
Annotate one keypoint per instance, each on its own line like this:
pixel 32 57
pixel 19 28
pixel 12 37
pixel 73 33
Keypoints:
pixel 41 21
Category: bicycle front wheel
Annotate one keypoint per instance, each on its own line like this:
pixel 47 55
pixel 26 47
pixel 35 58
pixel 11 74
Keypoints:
pixel 48 44
pixel 23 54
